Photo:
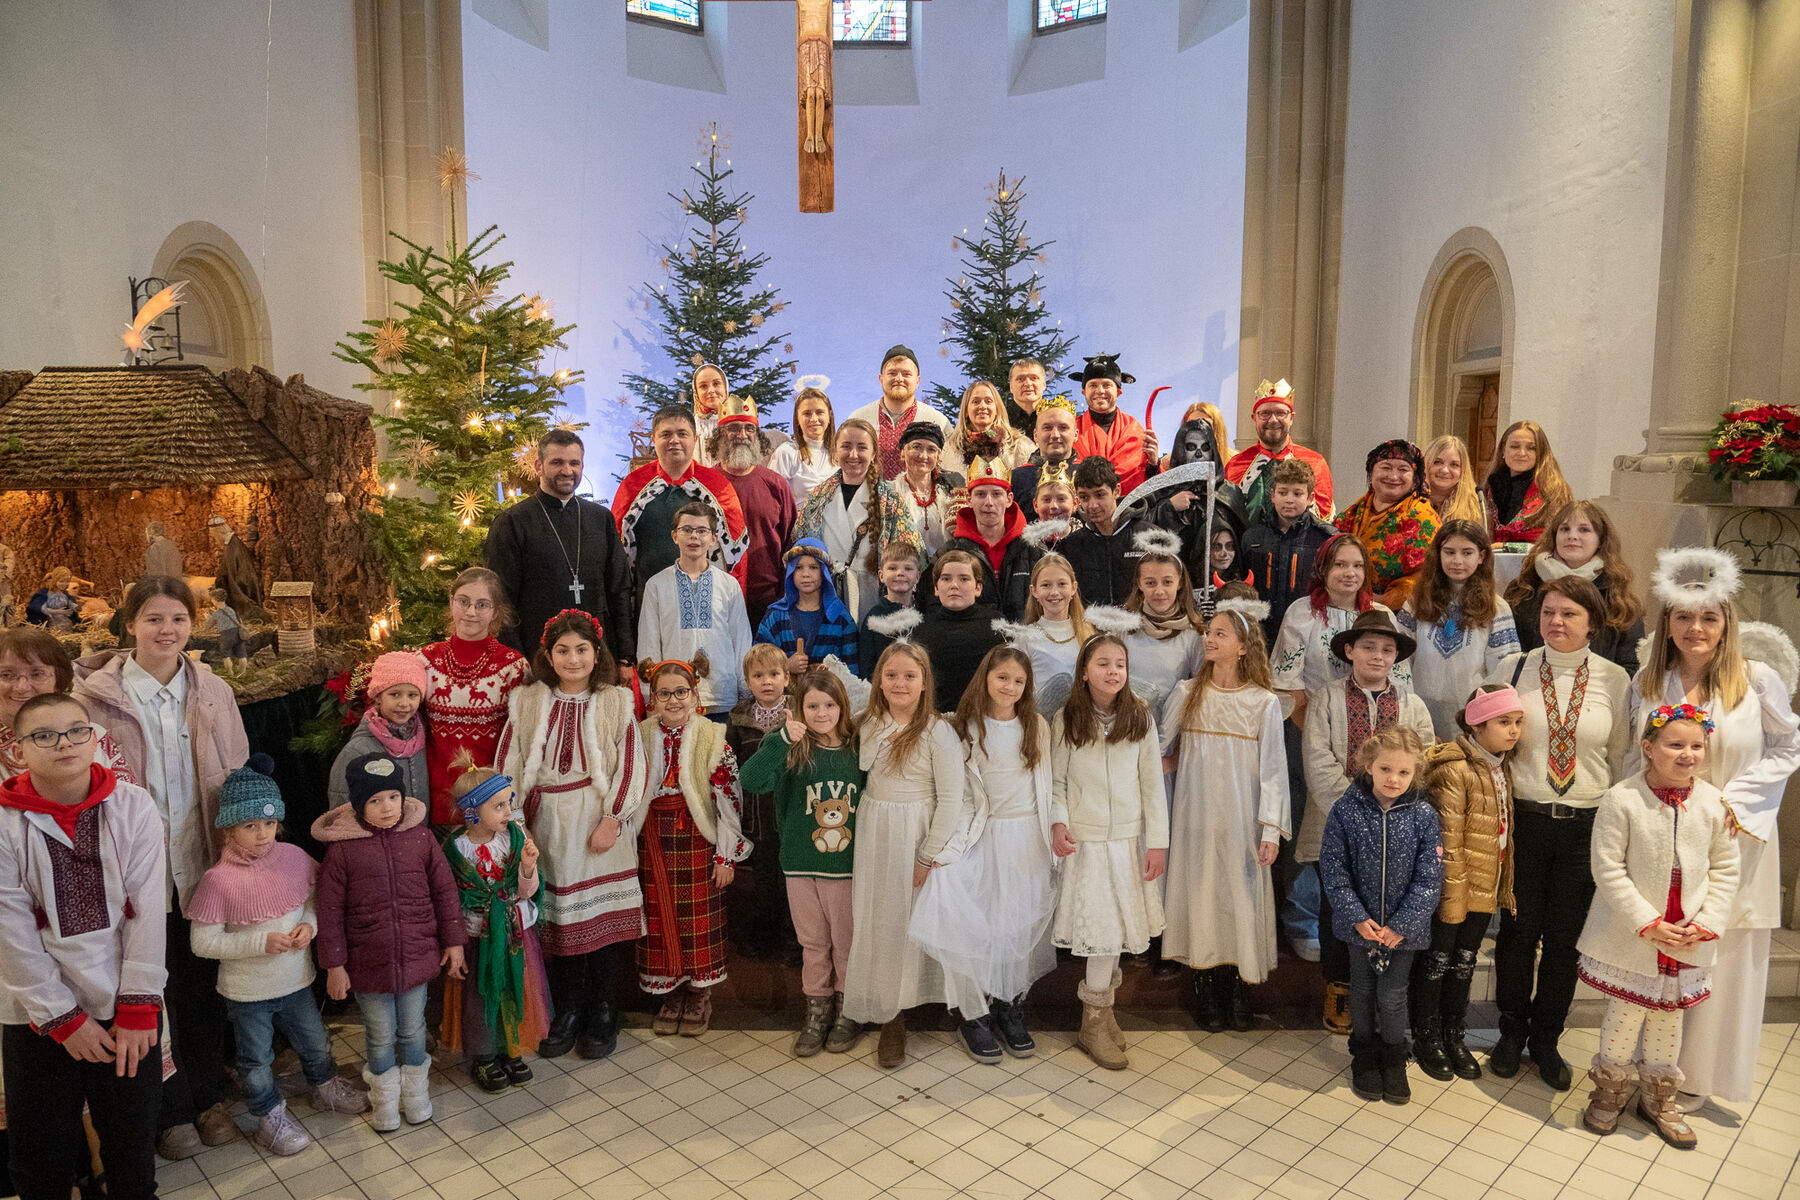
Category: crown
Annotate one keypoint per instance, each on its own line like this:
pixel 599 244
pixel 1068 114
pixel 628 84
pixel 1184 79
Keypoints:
pixel 1060 400
pixel 1279 392
pixel 1057 474
pixel 737 409
pixel 988 472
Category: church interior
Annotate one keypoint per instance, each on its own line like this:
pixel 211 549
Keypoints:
pixel 1423 218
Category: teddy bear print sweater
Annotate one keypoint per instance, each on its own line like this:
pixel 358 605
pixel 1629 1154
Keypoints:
pixel 815 809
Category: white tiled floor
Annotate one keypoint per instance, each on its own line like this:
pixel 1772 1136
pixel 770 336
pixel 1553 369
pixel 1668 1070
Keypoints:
pixel 1213 1115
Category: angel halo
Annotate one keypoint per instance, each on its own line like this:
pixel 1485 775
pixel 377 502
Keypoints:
pixel 1694 575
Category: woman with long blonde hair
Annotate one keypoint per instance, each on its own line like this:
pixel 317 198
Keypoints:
pixel 1450 485
pixel 1525 485
pixel 1703 654
pixel 982 431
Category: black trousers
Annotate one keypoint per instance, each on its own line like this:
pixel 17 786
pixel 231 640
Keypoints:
pixel 1334 955
pixel 45 1089
pixel 1553 885
pixel 1443 975
pixel 586 981
pixel 197 1028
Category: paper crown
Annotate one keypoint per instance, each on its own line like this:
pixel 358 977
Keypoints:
pixel 737 409
pixel 1056 474
pixel 988 472
pixel 1273 393
pixel 1060 400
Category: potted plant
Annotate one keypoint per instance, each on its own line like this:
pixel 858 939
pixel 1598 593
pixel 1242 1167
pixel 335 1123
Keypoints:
pixel 1757 447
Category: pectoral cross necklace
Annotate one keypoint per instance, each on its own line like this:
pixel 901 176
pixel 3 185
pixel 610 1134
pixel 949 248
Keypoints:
pixel 575 584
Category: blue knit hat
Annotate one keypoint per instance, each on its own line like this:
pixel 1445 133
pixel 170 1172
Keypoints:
pixel 249 794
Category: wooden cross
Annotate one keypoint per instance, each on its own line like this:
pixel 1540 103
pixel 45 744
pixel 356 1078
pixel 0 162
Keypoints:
pixel 812 70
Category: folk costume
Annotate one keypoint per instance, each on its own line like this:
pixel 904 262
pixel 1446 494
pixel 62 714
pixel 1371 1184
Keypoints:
pixel 1249 467
pixel 645 508
pixel 1453 657
pixel 553 554
pixel 693 822
pixel 576 760
pixel 1396 537
pixel 465 709
pixel 684 613
pixel 837 515
pixel 1754 748
pixel 1230 796
pixel 1114 436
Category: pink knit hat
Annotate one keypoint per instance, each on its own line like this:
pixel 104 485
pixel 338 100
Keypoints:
pixel 396 667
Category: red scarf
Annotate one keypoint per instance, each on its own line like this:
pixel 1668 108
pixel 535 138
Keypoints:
pixel 19 793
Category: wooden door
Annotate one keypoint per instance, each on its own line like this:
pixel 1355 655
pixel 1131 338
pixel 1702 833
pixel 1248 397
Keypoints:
pixel 1480 432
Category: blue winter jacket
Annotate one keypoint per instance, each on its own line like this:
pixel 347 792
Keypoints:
pixel 1383 865
pixel 837 631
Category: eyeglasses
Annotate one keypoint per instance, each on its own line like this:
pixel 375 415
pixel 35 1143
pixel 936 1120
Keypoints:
pixel 673 694
pixel 49 739
pixel 473 605
pixel 35 678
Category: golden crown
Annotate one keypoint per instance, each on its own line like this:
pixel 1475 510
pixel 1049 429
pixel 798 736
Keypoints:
pixel 738 408
pixel 1057 474
pixel 1060 400
pixel 1278 392
pixel 988 471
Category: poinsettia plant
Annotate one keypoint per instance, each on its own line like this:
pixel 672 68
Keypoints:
pixel 341 705
pixel 1760 441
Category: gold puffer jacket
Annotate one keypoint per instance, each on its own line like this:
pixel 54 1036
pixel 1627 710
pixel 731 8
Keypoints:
pixel 1477 876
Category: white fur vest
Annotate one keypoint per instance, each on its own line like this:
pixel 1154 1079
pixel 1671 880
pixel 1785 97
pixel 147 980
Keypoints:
pixel 702 750
pixel 608 717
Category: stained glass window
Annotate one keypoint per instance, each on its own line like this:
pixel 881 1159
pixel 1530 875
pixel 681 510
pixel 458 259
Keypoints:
pixel 882 21
pixel 1055 14
pixel 675 12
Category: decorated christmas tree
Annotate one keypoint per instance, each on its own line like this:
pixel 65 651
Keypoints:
pixel 468 399
pixel 997 313
pixel 711 308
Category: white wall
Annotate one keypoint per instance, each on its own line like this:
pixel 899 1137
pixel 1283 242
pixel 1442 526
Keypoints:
pixel 127 118
pixel 1546 123
pixel 1139 178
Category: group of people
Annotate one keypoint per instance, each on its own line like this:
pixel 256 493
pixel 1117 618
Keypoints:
pixel 954 707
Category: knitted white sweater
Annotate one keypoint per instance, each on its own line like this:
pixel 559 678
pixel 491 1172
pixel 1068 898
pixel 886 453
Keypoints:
pixel 1602 731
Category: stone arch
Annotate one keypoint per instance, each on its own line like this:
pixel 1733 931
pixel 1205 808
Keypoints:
pixel 1463 343
pixel 223 304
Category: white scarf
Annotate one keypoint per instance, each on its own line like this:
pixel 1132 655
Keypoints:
pixel 1550 567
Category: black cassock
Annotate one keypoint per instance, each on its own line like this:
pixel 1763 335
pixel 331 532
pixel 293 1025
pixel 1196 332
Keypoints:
pixel 540 573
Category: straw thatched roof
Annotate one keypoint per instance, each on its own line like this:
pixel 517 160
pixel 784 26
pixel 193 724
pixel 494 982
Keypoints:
pixel 134 427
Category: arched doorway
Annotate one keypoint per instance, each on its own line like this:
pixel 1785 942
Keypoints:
pixel 224 322
pixel 1462 345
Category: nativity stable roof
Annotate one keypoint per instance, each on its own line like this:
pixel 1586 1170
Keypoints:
pixel 134 427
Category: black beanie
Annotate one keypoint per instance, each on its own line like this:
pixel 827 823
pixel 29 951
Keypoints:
pixel 899 352
pixel 370 774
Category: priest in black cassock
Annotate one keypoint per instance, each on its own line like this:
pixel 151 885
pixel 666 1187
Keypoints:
pixel 555 550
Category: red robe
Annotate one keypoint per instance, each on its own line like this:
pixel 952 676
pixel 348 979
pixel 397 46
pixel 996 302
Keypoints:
pixel 1248 466
pixel 1123 444
pixel 709 485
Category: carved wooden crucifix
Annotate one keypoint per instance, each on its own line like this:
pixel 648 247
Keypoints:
pixel 812 69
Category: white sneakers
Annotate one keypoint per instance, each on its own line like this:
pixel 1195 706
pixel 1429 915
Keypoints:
pixel 278 1133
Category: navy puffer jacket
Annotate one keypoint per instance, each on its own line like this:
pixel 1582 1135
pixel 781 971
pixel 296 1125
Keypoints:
pixel 1386 865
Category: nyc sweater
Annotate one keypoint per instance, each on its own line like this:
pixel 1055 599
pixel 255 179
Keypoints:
pixel 815 809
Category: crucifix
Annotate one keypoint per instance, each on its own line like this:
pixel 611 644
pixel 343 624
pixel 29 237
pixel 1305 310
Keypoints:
pixel 812 69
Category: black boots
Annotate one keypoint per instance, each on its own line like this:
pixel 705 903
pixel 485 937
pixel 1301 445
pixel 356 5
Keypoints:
pixel 1365 1070
pixel 1222 1001
pixel 1462 1063
pixel 1552 1068
pixel 1428 1048
pixel 1009 1025
pixel 560 1038
pixel 1503 1059
pixel 1394 1088
pixel 1208 1011
pixel 602 1033
pixel 1237 1005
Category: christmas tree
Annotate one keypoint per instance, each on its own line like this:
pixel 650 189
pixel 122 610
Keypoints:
pixel 997 313
pixel 712 309
pixel 469 401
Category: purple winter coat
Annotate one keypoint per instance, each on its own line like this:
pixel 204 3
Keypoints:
pixel 386 900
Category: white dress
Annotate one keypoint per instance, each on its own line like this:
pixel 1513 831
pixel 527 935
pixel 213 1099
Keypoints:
pixel 802 477
pixel 1104 905
pixel 1453 658
pixel 1754 747
pixel 1157 666
pixel 1231 795
pixel 909 812
pixel 1052 648
pixel 986 917
pixel 1302 657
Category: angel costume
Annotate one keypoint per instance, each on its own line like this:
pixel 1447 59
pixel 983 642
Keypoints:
pixel 1231 795
pixel 1052 647
pixel 1163 652
pixel 910 813
pixel 1755 746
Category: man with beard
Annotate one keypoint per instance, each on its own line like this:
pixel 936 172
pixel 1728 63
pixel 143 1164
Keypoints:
pixel 740 448
pixel 1055 438
pixel 1025 382
pixel 897 408
pixel 555 550
pixel 1273 412
pixel 1105 431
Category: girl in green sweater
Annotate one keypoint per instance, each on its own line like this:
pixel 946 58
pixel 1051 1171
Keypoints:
pixel 811 769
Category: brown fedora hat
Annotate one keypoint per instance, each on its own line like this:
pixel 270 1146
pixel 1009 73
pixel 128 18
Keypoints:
pixel 1376 620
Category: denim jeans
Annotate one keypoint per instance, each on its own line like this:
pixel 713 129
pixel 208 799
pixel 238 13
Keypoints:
pixel 255 1023
pixel 1378 997
pixel 393 1025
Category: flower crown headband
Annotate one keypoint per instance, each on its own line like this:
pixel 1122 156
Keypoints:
pixel 578 612
pixel 1681 712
